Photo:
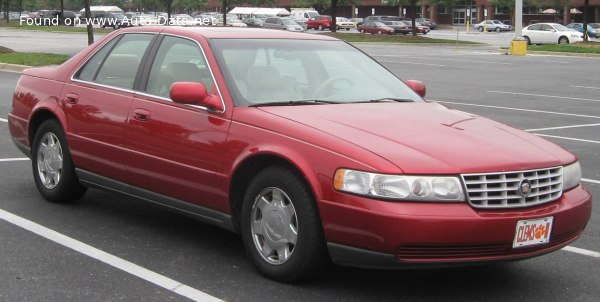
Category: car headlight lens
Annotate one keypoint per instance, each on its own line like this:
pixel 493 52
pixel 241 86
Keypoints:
pixel 571 176
pixel 400 187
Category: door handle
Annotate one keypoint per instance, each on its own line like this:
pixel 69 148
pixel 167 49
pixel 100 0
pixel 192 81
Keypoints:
pixel 141 115
pixel 71 98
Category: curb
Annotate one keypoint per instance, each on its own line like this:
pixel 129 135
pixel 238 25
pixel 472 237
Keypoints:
pixel 13 67
pixel 566 54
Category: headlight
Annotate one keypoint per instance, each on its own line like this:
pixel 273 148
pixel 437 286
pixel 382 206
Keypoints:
pixel 399 187
pixel 571 176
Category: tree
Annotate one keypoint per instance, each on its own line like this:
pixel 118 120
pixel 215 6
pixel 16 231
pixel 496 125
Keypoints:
pixel 88 17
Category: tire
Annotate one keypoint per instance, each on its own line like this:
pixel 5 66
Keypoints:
pixel 563 40
pixel 480 29
pixel 379 32
pixel 292 226
pixel 528 40
pixel 53 169
pixel 320 27
pixel 347 29
pixel 498 29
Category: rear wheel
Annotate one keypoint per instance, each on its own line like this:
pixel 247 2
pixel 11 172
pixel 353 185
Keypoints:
pixel 281 227
pixel 53 168
pixel 563 40
pixel 480 29
pixel 379 32
pixel 320 27
pixel 528 40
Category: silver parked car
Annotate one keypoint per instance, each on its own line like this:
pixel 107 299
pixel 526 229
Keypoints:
pixel 492 25
pixel 551 33
pixel 282 23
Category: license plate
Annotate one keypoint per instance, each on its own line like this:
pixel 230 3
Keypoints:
pixel 532 232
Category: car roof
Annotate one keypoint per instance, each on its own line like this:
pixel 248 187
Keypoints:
pixel 216 32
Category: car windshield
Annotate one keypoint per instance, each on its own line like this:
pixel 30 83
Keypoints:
pixel 559 27
pixel 338 19
pixel 312 14
pixel 594 25
pixel 288 22
pixel 263 71
pixel 497 22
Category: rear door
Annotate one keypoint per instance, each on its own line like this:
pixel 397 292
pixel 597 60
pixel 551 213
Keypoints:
pixel 177 150
pixel 96 102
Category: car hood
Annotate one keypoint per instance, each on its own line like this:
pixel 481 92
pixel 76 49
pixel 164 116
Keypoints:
pixel 428 138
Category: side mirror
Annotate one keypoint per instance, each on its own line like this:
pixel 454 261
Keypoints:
pixel 417 86
pixel 191 93
pixel 553 30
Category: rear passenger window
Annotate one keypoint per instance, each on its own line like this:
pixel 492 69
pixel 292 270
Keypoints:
pixel 121 65
pixel 88 72
pixel 177 60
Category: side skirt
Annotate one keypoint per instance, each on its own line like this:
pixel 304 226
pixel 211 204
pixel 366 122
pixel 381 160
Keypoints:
pixel 203 214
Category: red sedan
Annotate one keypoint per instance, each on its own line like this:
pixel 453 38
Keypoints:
pixel 319 22
pixel 376 28
pixel 354 166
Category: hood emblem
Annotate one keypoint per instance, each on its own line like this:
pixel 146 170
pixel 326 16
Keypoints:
pixel 525 187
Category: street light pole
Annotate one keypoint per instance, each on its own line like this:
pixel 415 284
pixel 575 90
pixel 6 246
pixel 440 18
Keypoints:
pixel 518 19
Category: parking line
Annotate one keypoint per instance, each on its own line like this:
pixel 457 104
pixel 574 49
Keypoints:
pixel 581 251
pixel 562 127
pixel 3 120
pixel 593 181
pixel 114 261
pixel 13 159
pixel 544 95
pixel 520 109
pixel 569 138
pixel 584 87
pixel 413 63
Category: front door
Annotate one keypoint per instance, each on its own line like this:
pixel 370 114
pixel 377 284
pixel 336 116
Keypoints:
pixel 177 150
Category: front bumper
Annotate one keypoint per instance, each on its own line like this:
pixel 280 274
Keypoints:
pixel 370 233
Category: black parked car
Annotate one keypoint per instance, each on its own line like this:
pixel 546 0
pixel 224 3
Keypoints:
pixel 254 22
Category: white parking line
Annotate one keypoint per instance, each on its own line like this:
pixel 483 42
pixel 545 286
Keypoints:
pixel 581 251
pixel 544 96
pixel 562 127
pixel 520 109
pixel 569 138
pixel 442 59
pixel 3 120
pixel 13 159
pixel 124 265
pixel 593 181
pixel 413 63
pixel 584 87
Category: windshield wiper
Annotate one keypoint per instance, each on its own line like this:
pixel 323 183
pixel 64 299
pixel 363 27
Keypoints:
pixel 294 103
pixel 381 100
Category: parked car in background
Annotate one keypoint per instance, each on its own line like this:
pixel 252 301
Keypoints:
pixel 184 20
pixel 320 22
pixel 114 20
pixel 492 25
pixel 427 22
pixel 420 28
pixel 282 24
pixel 399 27
pixel 376 27
pixel 344 23
pixel 295 151
pixel 592 32
pixel 551 33
pixel 254 22
pixel 301 15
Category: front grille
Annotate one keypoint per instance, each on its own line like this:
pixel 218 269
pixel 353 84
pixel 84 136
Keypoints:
pixel 503 190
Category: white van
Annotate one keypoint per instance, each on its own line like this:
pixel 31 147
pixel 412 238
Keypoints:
pixel 301 15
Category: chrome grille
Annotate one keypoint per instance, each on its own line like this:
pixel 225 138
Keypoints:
pixel 503 190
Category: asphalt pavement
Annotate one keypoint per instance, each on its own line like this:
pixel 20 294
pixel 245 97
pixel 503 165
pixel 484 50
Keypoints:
pixel 552 96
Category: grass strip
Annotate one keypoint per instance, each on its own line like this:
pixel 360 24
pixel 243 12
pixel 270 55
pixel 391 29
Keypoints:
pixel 32 58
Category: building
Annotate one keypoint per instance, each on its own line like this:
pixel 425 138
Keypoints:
pixel 571 11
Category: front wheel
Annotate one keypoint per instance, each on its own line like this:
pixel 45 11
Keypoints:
pixel 53 168
pixel 480 29
pixel 563 40
pixel 379 32
pixel 281 227
pixel 498 29
pixel 320 27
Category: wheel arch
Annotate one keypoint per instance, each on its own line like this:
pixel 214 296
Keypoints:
pixel 245 170
pixel 37 118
